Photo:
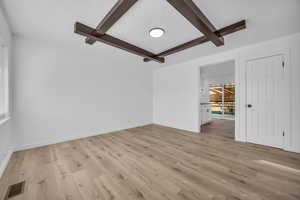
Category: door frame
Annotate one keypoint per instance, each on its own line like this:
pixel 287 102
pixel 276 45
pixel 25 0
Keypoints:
pixel 240 57
pixel 234 59
pixel 241 75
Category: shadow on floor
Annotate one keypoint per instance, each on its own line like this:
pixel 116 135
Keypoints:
pixel 220 127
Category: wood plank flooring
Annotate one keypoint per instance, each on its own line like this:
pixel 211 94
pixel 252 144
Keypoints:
pixel 219 127
pixel 154 163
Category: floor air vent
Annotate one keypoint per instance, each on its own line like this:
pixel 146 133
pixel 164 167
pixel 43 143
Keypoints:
pixel 15 190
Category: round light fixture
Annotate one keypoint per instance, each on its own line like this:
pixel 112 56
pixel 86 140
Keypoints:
pixel 156 32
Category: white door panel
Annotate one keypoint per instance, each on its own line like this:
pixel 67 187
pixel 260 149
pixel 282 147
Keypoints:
pixel 265 84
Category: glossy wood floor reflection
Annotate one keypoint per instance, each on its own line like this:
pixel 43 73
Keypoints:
pixel 219 127
pixel 154 163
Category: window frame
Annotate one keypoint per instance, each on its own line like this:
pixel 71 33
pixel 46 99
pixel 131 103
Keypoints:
pixel 5 116
pixel 222 102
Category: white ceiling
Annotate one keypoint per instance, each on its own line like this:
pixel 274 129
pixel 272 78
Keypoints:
pixel 53 20
pixel 146 14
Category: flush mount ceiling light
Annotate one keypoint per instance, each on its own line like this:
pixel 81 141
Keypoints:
pixel 187 8
pixel 156 32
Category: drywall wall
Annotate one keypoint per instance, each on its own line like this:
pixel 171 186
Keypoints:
pixel 218 73
pixel 63 93
pixel 174 102
pixel 176 88
pixel 5 127
pixel 295 96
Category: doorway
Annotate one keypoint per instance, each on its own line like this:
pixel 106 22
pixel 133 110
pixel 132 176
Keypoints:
pixel 217 99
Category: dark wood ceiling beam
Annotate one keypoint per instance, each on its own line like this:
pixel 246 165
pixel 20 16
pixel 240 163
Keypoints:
pixel 87 31
pixel 118 10
pixel 196 17
pixel 222 32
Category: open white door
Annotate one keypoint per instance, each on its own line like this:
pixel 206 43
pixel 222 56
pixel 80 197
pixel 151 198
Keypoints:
pixel 265 101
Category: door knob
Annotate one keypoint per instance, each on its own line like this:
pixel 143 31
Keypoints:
pixel 249 106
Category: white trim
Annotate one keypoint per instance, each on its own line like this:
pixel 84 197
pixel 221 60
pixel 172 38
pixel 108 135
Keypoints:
pixel 237 93
pixel 264 52
pixel 5 119
pixel 5 70
pixel 6 81
pixel 5 161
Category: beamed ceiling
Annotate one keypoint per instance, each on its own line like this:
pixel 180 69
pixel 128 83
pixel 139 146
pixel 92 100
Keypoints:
pixel 53 20
pixel 187 8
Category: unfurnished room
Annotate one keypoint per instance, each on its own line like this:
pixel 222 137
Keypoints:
pixel 149 100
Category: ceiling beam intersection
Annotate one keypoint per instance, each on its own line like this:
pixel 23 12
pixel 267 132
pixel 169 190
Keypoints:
pixel 196 17
pixel 221 32
pixel 117 11
pixel 89 32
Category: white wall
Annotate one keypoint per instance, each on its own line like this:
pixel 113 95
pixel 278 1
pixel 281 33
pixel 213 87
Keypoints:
pixel 176 89
pixel 62 93
pixel 5 128
pixel 175 105
pixel 295 91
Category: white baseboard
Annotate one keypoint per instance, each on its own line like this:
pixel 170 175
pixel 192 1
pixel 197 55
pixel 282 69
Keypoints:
pixel 294 150
pixel 69 138
pixel 5 161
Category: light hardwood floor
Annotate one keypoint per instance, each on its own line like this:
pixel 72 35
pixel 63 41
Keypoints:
pixel 154 163
pixel 219 127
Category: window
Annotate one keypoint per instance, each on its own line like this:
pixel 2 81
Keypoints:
pixel 229 100
pixel 216 99
pixel 222 100
pixel 3 82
